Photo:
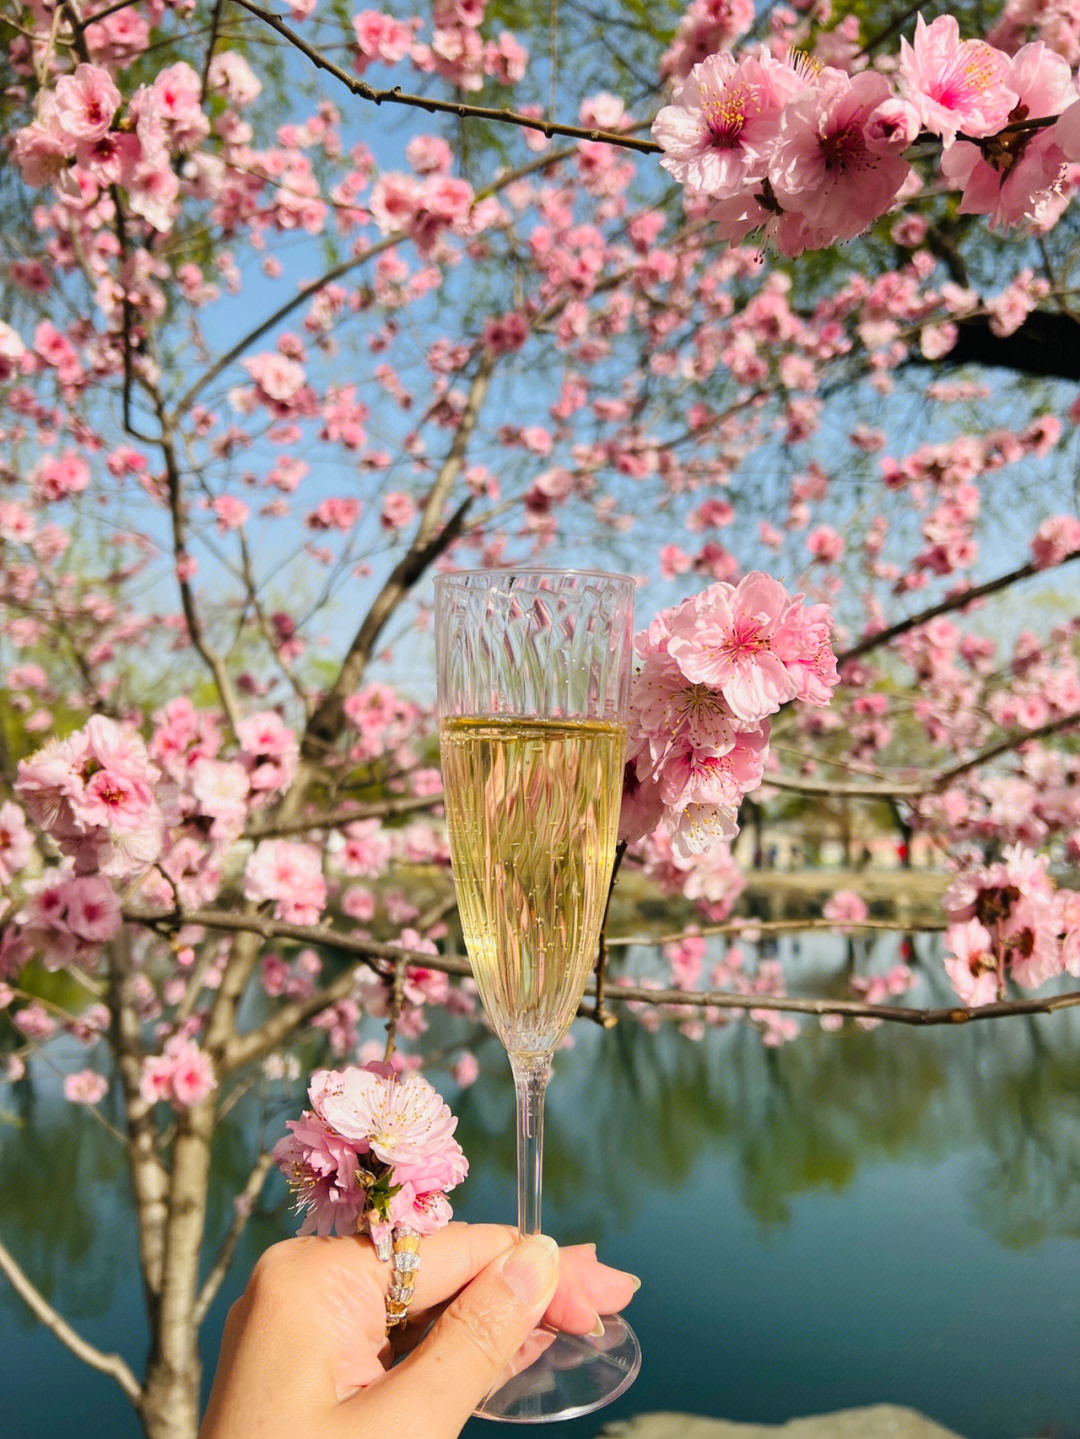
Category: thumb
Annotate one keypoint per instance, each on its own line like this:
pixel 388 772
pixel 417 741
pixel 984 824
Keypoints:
pixel 433 1391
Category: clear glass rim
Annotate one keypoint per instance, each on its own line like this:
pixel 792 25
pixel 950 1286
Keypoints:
pixel 451 577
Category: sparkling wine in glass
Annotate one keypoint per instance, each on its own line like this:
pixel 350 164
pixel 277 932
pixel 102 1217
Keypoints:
pixel 533 675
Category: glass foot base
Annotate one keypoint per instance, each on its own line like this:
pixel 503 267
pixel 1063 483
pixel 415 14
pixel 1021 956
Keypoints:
pixel 559 1376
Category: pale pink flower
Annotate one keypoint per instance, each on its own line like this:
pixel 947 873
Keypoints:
pixel 891 127
pixel 699 829
pixel 398 510
pixel 231 75
pixel 270 751
pixel 970 963
pixel 719 129
pixel 724 639
pixel 93 909
pixel 1016 177
pixel 288 874
pixel 845 907
pixel 16 841
pixel 822 170
pixel 278 378
pixel 85 1087
pixel 706 27
pixel 192 1075
pixel 177 102
pixel 1053 540
pixel 956 84
pixel 404 1122
pixel 466 1069
pixel 86 103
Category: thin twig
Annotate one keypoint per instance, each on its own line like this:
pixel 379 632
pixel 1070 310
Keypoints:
pixel 932 784
pixel 110 1364
pixel 397 96
pixel 600 1014
pixel 955 602
pixel 246 1047
pixel 245 1203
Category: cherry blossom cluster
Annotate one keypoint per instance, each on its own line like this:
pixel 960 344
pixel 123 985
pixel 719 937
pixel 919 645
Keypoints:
pixel 374 1154
pixel 713 670
pixel 1009 924
pixel 805 153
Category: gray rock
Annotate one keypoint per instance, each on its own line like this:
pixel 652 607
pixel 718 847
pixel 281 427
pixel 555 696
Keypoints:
pixel 883 1421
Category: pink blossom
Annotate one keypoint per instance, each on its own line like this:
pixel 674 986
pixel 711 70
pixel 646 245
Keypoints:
pixel 322 1169
pixel 269 749
pixel 289 874
pixel 845 907
pixel 176 101
pixel 279 379
pixel 231 75
pixel 719 129
pixel 379 37
pixel 724 639
pixel 85 1087
pixel 466 1069
pixel 891 127
pixel 970 963
pixel 1053 541
pixel 956 84
pixel 86 103
pixel 822 170
pixel 16 841
pixel 182 1075
pixel 706 27
pixel 825 545
pixel 93 909
pixel 1015 178
pixel 405 1123
pixel 398 511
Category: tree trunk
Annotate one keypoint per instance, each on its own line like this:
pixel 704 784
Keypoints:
pixel 170 1405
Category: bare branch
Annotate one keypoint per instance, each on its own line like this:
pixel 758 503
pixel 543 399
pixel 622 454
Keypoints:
pixel 446 107
pixel 196 632
pixel 335 818
pixel 245 1203
pixel 110 1364
pixel 847 1008
pixel 750 929
pixel 954 602
pixel 431 539
pixel 934 783
pixel 247 1047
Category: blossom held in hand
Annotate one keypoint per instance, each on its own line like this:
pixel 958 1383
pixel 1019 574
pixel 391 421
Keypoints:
pixel 375 1154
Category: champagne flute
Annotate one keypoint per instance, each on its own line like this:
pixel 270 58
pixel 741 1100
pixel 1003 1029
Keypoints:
pixel 533 676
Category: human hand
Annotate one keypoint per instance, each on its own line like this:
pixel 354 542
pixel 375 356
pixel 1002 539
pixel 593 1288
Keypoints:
pixel 305 1352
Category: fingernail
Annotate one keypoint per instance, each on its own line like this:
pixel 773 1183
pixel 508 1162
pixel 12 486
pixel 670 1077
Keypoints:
pixel 530 1267
pixel 597 1331
pixel 636 1282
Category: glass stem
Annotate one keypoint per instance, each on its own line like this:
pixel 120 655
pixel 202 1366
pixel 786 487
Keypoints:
pixel 531 1075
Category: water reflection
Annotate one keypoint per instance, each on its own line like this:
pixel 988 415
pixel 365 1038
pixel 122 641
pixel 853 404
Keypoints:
pixel 968 1138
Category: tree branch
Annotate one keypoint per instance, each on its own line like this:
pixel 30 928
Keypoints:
pixel 935 783
pixel 335 818
pixel 445 107
pixel 245 1202
pixel 954 602
pixel 847 1008
pixel 430 541
pixel 110 1364
pixel 255 1043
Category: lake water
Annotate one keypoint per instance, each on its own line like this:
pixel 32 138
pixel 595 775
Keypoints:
pixel 856 1218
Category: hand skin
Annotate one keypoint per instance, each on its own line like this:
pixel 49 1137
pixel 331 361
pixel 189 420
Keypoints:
pixel 305 1354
